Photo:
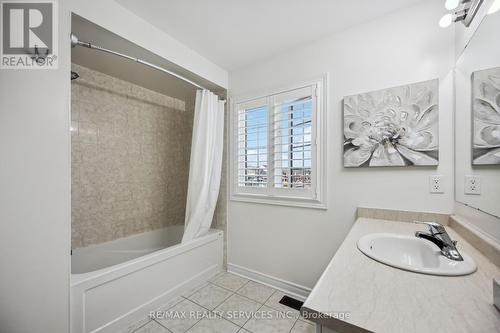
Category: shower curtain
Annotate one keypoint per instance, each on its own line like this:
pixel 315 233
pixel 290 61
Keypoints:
pixel 205 164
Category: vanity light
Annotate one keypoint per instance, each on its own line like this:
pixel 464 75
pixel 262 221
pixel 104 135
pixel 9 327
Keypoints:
pixel 446 21
pixel 462 10
pixel 451 4
pixel 495 7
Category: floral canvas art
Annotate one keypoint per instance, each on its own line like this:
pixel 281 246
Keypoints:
pixel 393 127
pixel 486 117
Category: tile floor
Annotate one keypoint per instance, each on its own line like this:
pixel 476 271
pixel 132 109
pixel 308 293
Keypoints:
pixel 225 304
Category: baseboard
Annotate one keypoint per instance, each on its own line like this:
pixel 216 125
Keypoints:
pixel 292 289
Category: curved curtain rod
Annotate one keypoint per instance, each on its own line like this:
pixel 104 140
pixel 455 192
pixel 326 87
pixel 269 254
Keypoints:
pixel 76 42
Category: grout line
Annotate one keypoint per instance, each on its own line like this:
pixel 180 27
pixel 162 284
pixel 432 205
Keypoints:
pixel 236 292
pixel 233 291
pixel 168 330
pixel 191 325
pixel 190 300
pixel 248 298
pixel 244 284
pixel 251 300
pixel 294 323
pixel 161 325
pixel 215 284
pixel 197 320
pixel 249 318
pixel 138 328
pixel 241 327
pixel 196 289
pixel 275 290
pixel 178 300
pixel 267 299
pixel 213 312
pixel 295 320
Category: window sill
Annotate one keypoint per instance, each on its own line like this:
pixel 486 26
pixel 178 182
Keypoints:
pixel 279 201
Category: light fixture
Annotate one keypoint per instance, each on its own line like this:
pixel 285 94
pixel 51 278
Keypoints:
pixel 495 7
pixel 451 4
pixel 464 11
pixel 446 21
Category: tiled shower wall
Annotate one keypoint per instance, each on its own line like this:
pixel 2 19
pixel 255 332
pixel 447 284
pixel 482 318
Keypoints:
pixel 130 158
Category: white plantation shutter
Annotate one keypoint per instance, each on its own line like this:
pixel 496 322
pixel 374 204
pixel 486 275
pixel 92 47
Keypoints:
pixel 252 126
pixel 293 122
pixel 274 145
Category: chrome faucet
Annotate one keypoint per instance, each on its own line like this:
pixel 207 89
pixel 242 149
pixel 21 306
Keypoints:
pixel 438 235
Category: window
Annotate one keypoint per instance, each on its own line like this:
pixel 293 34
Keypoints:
pixel 277 147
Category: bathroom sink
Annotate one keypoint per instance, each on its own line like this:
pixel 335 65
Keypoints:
pixel 413 254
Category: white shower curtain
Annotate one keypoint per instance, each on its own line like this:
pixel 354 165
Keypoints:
pixel 205 165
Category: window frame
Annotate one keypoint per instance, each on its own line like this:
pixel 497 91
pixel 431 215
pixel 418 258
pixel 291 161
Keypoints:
pixel 315 197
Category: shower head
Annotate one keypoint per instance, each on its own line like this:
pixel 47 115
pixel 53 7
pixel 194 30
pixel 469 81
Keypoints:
pixel 74 75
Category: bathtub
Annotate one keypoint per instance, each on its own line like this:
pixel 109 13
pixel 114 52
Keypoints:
pixel 117 283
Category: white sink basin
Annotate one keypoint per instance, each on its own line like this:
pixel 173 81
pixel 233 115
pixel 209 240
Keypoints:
pixel 413 254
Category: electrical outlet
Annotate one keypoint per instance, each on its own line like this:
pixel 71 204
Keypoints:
pixel 436 184
pixel 472 185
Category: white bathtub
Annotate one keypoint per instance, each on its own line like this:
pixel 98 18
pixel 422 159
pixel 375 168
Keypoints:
pixel 117 283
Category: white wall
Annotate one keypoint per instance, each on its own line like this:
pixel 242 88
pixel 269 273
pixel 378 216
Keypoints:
pixel 407 46
pixel 35 195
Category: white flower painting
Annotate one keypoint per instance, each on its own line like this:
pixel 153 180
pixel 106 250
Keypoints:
pixel 486 117
pixel 393 127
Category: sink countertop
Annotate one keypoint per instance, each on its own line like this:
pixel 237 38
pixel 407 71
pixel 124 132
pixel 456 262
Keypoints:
pixel 380 298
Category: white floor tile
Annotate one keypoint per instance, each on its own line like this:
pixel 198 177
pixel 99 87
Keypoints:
pixel 256 291
pixel 303 327
pixel 230 281
pixel 182 316
pixel 194 289
pixel 170 303
pixel 134 326
pixel 152 327
pixel 218 275
pixel 214 325
pixel 269 321
pixel 306 320
pixel 237 309
pixel 210 296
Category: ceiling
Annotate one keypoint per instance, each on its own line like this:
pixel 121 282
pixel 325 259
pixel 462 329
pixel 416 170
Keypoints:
pixel 129 70
pixel 235 33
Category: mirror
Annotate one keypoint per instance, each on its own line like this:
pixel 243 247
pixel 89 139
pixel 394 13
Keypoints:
pixel 477 119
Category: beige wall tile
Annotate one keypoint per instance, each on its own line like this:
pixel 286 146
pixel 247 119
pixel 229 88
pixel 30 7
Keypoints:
pixel 401 215
pixel 130 158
